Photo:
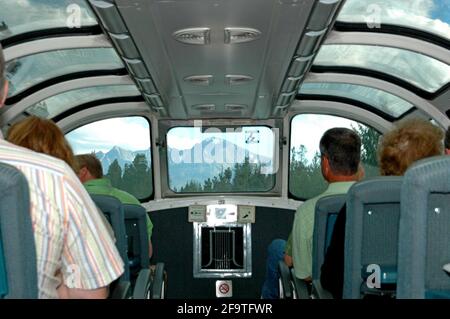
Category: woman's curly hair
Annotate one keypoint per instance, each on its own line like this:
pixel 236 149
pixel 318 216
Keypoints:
pixel 409 141
pixel 42 136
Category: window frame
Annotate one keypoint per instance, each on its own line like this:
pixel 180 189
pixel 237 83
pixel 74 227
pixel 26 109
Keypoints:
pixel 113 116
pixel 290 194
pixel 165 126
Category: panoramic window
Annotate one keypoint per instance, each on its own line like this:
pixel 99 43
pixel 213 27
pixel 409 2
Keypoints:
pixel 60 103
pixel 419 70
pixel 426 15
pixel 22 16
pixel 123 147
pixel 381 100
pixel 227 160
pixel 305 175
pixel 28 71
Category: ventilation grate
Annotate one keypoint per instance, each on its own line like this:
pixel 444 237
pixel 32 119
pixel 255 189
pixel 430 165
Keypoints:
pixel 222 248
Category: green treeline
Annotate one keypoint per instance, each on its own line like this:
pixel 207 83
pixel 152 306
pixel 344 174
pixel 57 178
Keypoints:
pixel 241 177
pixel 305 177
pixel 136 178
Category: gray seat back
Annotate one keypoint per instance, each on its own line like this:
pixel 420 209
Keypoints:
pixel 371 231
pixel 424 247
pixel 137 236
pixel 327 209
pixel 16 237
pixel 112 208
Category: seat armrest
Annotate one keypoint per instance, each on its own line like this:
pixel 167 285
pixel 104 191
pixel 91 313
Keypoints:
pixel 319 291
pixel 121 290
pixel 285 280
pixel 158 284
pixel 142 286
pixel 300 286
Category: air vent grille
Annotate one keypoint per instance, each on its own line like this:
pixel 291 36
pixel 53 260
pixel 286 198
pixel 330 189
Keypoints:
pixel 222 248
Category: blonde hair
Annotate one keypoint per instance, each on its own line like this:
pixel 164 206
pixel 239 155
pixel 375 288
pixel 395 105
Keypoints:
pixel 409 141
pixel 43 136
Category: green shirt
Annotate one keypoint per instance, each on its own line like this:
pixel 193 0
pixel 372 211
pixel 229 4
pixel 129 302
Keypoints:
pixel 299 244
pixel 102 186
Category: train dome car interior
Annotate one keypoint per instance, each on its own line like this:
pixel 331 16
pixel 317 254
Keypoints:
pixel 210 112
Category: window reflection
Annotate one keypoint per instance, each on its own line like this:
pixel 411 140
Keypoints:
pixel 419 70
pixel 60 103
pixel 428 15
pixel 26 72
pixel 383 101
pixel 22 16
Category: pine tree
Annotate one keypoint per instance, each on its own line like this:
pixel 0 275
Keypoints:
pixel 115 174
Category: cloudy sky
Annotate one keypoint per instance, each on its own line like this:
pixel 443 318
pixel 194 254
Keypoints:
pixel 131 133
pixel 29 15
pixel 258 140
pixel 307 130
pixel 431 15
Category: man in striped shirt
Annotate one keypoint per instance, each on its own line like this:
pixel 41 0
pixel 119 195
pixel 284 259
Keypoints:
pixel 76 256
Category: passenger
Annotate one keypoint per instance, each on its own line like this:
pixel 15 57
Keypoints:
pixel 90 172
pixel 42 136
pixel 409 141
pixel 447 141
pixel 340 150
pixel 76 257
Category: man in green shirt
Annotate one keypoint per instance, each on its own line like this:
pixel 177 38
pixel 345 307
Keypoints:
pixel 340 150
pixel 90 172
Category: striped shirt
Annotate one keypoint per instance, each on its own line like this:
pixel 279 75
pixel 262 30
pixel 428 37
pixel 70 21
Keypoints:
pixel 72 243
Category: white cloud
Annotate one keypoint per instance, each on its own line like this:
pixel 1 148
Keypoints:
pixel 180 142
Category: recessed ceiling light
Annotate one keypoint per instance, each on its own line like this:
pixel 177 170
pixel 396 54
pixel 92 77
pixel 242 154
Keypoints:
pixel 197 36
pixel 240 35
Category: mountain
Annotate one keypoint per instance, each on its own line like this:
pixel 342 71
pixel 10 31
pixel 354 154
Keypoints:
pixel 189 164
pixel 122 156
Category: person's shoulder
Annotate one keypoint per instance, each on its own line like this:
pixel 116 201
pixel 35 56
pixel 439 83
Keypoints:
pixel 25 157
pixel 126 197
pixel 312 201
